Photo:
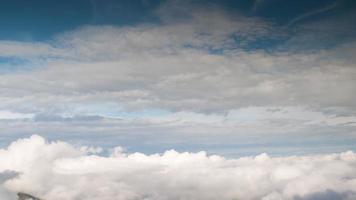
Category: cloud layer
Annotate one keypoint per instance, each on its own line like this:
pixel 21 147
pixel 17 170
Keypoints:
pixel 197 72
pixel 172 66
pixel 58 170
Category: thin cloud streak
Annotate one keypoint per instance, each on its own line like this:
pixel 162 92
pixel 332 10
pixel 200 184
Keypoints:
pixel 311 13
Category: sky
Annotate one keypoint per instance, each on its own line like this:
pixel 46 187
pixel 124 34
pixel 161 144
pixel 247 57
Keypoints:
pixel 130 99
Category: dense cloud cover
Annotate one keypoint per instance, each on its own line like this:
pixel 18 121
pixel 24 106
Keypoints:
pixel 60 171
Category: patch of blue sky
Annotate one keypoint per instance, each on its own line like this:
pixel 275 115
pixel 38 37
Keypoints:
pixel 282 12
pixel 114 110
pixel 269 43
pixel 130 115
pixel 12 60
pixel 39 20
pixel 14 64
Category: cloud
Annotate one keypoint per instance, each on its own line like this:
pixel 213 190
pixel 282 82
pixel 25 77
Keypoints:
pixel 329 195
pixel 25 49
pixel 10 115
pixel 192 75
pixel 4 176
pixel 107 74
pixel 178 80
pixel 171 66
pixel 58 170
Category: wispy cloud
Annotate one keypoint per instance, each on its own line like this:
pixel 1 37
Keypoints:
pixel 311 13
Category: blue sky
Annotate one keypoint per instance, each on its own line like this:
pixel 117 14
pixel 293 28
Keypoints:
pixel 40 20
pixel 229 77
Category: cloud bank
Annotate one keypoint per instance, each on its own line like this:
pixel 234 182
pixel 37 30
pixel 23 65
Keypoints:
pixel 60 171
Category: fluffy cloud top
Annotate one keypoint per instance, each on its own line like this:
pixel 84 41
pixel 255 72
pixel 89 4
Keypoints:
pixel 60 171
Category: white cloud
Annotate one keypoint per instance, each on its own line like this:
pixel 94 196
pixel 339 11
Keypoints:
pixel 58 170
pixel 26 49
pixel 4 193
pixel 11 115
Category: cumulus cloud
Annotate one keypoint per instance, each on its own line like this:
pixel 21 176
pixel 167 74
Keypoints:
pixel 58 170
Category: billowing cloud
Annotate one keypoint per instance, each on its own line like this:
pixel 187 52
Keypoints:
pixel 58 170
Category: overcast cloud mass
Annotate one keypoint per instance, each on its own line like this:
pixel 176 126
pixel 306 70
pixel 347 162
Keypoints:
pixel 235 79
